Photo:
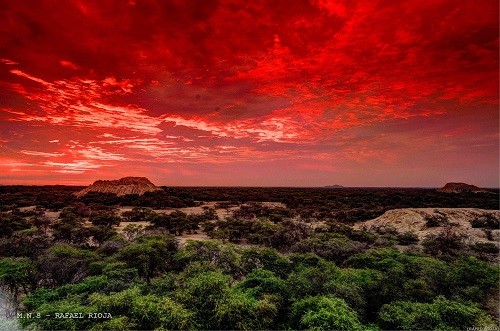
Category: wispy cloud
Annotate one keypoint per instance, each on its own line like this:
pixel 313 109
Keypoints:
pixel 43 154
pixel 97 153
pixel 76 167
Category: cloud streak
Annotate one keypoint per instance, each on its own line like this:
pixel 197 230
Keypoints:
pixel 273 92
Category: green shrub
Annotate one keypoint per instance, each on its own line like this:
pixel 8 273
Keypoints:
pixel 238 310
pixel 441 314
pixel 323 313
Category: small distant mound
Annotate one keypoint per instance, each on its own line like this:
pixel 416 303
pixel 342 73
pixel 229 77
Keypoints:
pixel 120 187
pixel 334 186
pixel 460 188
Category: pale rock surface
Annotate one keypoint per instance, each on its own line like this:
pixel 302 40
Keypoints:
pixel 121 187
pixel 414 220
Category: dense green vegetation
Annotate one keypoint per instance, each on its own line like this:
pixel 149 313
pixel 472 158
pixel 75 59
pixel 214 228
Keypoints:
pixel 152 283
pixel 265 267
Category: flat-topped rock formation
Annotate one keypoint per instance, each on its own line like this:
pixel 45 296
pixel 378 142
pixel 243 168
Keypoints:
pixel 120 187
pixel 460 188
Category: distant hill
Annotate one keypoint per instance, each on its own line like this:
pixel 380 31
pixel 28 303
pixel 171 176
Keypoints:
pixel 120 187
pixel 334 186
pixel 460 188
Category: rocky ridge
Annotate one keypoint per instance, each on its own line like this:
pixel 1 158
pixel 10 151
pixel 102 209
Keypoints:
pixel 120 187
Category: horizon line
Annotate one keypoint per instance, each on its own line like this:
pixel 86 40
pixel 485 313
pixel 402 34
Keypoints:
pixel 252 186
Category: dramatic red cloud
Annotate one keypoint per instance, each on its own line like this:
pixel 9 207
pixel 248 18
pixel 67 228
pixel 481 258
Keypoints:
pixel 286 93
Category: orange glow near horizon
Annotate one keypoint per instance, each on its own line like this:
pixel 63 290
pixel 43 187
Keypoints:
pixel 259 93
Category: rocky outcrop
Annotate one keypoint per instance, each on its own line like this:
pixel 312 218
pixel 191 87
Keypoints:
pixel 460 188
pixel 120 187
pixel 426 221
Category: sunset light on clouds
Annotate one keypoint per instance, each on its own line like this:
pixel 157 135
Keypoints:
pixel 250 93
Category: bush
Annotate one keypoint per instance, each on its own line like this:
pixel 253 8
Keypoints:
pixel 436 219
pixel 331 246
pixel 266 258
pixel 441 314
pixel 446 243
pixel 471 279
pixel 348 231
pixel 359 288
pixel 62 264
pixel 202 292
pixel 261 282
pixel 323 313
pixel 211 253
pixel 149 255
pixel 47 312
pixel 310 279
pixel 143 312
pixel 486 221
pixel 407 238
pixel 488 248
pixel 238 310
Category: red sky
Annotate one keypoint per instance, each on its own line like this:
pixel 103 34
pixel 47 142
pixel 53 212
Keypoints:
pixel 251 93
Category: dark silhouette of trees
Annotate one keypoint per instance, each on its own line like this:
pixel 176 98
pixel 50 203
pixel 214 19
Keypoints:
pixel 63 264
pixel 446 243
pixel 139 214
pixel 12 221
pixel 106 217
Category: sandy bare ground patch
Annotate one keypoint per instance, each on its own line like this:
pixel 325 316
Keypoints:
pixel 273 204
pixel 221 212
pixel 122 225
pixel 414 220
pixel 50 214
pixel 28 208
pixel 194 236
pixel 53 215
pixel 182 239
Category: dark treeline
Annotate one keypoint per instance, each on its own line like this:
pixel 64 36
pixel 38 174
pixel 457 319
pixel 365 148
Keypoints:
pixel 346 204
pixel 47 196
